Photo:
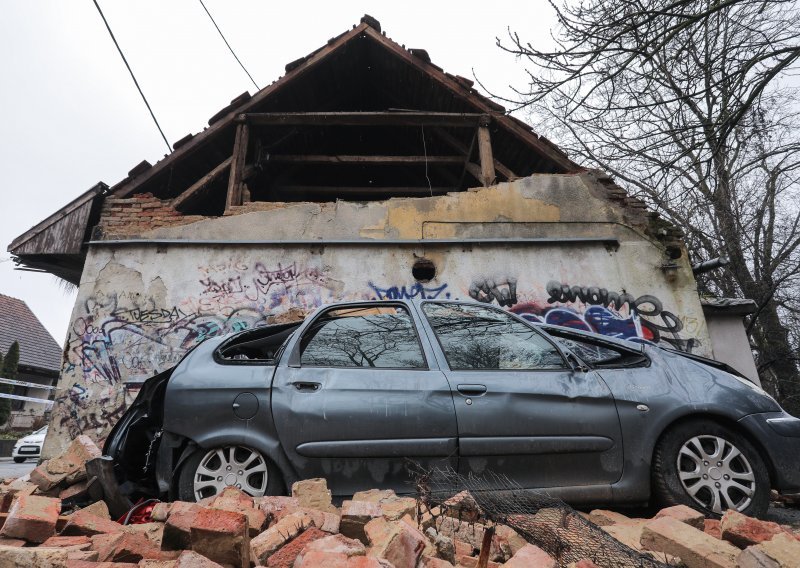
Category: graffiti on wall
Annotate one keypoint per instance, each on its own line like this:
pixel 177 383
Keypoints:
pixel 122 338
pixel 408 292
pixel 599 310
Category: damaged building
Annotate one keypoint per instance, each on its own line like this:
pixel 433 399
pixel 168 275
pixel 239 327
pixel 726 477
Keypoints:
pixel 364 172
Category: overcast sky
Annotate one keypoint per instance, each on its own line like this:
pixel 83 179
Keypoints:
pixel 72 116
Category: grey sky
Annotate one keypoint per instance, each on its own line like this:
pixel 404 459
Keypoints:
pixel 72 116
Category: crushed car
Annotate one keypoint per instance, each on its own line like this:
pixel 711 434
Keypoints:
pixel 358 391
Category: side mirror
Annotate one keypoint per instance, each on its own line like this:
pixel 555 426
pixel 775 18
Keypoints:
pixel 576 364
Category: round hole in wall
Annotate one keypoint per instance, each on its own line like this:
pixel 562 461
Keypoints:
pixel 423 270
pixel 674 252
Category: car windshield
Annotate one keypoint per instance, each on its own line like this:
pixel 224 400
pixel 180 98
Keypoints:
pixel 42 430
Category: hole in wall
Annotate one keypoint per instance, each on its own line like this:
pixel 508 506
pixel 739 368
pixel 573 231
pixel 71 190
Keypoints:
pixel 423 270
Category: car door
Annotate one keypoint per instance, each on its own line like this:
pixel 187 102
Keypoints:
pixel 362 398
pixel 522 410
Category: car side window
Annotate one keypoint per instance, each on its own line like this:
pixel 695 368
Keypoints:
pixel 375 336
pixel 474 337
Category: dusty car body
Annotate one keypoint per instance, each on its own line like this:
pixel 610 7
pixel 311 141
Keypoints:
pixel 358 390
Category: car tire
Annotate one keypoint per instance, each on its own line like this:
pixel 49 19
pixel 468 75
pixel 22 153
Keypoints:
pixel 19 460
pixel 711 468
pixel 207 472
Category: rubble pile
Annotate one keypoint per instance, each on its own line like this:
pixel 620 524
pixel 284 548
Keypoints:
pixel 40 527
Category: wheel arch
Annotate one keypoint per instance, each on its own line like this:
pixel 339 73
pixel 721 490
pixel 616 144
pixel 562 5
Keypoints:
pixel 270 448
pixel 722 420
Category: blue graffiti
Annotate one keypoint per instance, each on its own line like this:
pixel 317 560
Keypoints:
pixel 408 292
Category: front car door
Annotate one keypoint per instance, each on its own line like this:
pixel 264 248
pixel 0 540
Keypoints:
pixel 522 410
pixel 360 397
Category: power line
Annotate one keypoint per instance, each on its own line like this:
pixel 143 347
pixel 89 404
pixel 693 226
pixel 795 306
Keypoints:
pixel 229 45
pixel 119 49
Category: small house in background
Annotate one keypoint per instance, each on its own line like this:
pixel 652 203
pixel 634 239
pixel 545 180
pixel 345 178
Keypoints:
pixel 39 361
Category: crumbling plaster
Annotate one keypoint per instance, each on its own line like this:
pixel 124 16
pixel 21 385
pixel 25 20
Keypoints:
pixel 141 305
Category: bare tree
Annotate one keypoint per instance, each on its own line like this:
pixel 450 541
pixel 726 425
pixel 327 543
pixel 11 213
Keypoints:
pixel 692 105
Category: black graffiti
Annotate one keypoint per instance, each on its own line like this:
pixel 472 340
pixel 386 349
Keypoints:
pixel 487 290
pixel 646 305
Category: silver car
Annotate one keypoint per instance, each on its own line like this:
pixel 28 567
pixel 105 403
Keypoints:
pixel 357 390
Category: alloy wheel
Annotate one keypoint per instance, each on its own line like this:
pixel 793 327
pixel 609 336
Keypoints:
pixel 231 466
pixel 716 474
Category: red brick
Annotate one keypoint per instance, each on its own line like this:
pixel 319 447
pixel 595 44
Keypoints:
pixel 530 555
pixel 287 555
pixel 683 514
pixel 711 527
pixel 178 525
pixel 337 544
pixel 83 522
pixel 32 518
pixel 12 542
pixel 233 499
pixel 90 564
pixel 190 559
pixel 61 541
pixel 744 531
pixel 221 536
pixel 275 508
pixel 396 541
pixel 356 514
pixel 79 490
pixel 128 547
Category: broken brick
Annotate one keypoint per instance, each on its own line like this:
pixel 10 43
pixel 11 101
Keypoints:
pixel 286 556
pixel 530 555
pixel 356 514
pixel 396 541
pixel 694 547
pixel 67 541
pixel 271 540
pixel 33 557
pixel 32 518
pixel 683 514
pixel 176 535
pixel 221 536
pixel 190 559
pixel 743 531
pixel 128 547
pixel 336 544
pixel 68 468
pixel 83 522
pixel 314 494
pixel 237 501
pixel 782 551
pixel 276 507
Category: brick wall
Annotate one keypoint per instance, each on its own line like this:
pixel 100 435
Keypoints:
pixel 136 215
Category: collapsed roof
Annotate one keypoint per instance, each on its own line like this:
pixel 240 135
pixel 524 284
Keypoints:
pixel 361 118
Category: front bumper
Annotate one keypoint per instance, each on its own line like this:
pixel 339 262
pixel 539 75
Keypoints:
pixel 778 433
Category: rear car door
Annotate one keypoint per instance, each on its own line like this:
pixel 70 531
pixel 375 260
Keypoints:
pixel 360 396
pixel 522 410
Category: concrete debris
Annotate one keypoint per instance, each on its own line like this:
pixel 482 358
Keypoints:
pixel 373 529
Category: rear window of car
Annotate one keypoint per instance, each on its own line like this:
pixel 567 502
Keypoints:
pixel 598 354
pixel 382 337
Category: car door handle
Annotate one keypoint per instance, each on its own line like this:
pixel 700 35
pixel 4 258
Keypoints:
pixel 303 386
pixel 472 390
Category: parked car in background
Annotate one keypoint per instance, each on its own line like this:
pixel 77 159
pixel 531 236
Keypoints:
pixel 30 446
pixel 357 389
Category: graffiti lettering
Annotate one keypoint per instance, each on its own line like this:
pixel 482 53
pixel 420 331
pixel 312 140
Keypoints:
pixel 417 290
pixel 486 290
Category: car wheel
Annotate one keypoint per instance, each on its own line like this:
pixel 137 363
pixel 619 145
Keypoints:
pixel 207 473
pixel 709 467
pixel 19 460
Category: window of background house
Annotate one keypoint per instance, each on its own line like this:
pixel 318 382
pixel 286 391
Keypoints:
pixel 374 336
pixel 473 337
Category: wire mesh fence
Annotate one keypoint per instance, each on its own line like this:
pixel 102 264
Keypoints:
pixel 544 521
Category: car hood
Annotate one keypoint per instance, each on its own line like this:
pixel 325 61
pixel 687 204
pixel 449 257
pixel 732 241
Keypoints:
pixel 33 439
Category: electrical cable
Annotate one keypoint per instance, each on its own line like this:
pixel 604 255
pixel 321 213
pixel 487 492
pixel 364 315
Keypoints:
pixel 119 49
pixel 425 150
pixel 229 45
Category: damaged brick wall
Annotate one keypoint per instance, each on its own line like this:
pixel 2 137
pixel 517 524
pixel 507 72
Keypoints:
pixel 138 215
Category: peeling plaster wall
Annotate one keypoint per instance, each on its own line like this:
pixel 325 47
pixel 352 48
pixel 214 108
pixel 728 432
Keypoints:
pixel 141 306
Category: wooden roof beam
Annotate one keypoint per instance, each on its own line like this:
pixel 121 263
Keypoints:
pixel 456 144
pixel 202 184
pixel 367 160
pixel 441 119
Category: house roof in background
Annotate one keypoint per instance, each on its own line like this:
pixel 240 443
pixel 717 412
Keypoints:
pixel 37 348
